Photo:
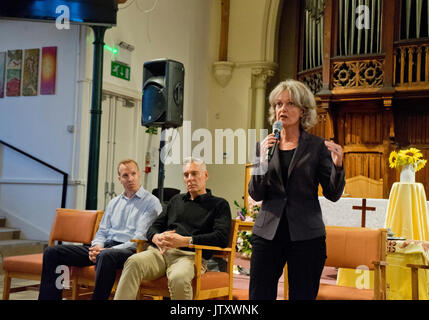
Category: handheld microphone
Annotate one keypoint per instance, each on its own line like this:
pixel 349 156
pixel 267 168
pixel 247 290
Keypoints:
pixel 277 128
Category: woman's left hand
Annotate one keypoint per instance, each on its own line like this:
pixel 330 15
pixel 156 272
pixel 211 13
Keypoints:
pixel 336 152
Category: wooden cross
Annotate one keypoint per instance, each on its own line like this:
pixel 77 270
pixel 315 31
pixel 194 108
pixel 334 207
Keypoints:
pixel 364 208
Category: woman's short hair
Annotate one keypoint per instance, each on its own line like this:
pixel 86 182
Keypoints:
pixel 301 96
pixel 196 160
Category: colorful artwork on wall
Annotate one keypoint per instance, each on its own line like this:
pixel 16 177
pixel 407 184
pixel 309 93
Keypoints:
pixel 13 73
pixel 2 72
pixel 49 70
pixel 30 77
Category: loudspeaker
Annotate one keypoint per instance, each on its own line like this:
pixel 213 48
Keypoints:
pixel 162 102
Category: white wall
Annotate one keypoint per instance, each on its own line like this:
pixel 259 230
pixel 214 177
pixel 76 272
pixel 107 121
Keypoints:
pixel 37 125
pixel 231 106
pixel 178 30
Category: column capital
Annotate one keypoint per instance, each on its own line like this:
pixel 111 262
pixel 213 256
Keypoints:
pixel 261 73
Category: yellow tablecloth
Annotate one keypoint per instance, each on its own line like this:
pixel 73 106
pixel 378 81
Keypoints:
pixel 407 214
pixel 398 276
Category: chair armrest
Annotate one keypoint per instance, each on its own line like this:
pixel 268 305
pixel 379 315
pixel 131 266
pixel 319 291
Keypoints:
pixel 418 266
pixel 197 246
pixel 380 285
pixel 141 244
pixel 380 263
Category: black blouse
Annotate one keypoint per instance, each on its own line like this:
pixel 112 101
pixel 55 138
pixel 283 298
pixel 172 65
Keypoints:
pixel 285 160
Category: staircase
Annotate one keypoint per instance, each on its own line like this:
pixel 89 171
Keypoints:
pixel 11 245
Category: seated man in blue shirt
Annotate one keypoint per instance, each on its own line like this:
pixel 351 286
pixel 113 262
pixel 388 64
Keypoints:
pixel 195 217
pixel 127 216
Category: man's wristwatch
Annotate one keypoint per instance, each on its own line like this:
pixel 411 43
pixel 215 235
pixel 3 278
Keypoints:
pixel 191 241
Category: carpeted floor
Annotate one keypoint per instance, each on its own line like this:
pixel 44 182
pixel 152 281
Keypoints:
pixel 240 283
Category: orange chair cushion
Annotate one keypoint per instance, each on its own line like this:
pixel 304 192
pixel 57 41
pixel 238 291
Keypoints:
pixel 352 247
pixel 334 292
pixel 209 280
pixel 30 263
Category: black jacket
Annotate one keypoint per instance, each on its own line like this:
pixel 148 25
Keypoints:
pixel 298 198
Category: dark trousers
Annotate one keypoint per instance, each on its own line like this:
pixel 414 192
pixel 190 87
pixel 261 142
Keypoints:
pixel 107 262
pixel 305 261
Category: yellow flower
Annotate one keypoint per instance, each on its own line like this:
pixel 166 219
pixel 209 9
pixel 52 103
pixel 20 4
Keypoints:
pixel 405 157
pixel 420 164
pixel 411 155
pixel 393 159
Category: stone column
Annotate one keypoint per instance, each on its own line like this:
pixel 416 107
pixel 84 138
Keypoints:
pixel 260 77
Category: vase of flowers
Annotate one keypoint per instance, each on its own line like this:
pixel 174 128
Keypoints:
pixel 244 247
pixel 410 161
pixel 408 173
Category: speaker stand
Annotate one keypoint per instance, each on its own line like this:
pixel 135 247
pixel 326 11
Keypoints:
pixel 161 171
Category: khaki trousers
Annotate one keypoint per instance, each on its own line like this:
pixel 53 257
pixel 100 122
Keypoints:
pixel 177 264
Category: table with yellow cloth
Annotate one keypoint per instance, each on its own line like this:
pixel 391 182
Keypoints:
pixel 398 276
pixel 407 214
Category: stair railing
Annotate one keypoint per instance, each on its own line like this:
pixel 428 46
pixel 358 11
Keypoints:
pixel 65 175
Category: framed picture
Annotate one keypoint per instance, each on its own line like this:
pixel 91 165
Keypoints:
pixel 49 70
pixel 30 78
pixel 2 72
pixel 13 73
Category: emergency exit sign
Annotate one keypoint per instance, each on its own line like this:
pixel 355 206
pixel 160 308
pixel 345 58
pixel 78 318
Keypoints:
pixel 120 71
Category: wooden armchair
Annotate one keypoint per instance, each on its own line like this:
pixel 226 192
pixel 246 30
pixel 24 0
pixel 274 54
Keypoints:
pixel 415 279
pixel 69 225
pixel 351 247
pixel 208 285
pixel 83 278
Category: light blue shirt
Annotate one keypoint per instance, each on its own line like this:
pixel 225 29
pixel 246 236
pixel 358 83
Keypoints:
pixel 127 218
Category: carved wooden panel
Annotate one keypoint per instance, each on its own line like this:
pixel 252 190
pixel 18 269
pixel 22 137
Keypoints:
pixel 363 187
pixel 358 74
pixel 313 79
pixel 412 130
pixel 322 129
pixel 411 65
pixel 412 126
pixel 356 128
pixel 369 165
pixel 362 133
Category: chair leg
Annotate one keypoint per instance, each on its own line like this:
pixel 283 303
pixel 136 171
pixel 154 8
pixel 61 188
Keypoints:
pixel 285 283
pixel 75 289
pixel 6 286
pixel 415 283
pixel 383 283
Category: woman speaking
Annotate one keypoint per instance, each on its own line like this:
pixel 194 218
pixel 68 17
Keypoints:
pixel 289 228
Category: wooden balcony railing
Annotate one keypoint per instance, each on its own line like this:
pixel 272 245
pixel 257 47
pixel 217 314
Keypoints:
pixel 357 72
pixel 312 78
pixel 411 63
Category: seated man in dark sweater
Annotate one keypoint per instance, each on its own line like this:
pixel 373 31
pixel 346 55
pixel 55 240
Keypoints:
pixel 196 217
